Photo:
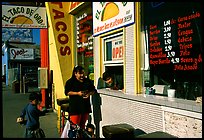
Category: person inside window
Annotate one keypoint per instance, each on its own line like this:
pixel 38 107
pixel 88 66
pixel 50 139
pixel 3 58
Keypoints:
pixel 79 88
pixel 113 81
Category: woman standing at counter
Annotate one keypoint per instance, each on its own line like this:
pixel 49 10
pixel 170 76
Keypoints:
pixel 79 88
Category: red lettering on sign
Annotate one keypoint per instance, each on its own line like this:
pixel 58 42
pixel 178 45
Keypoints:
pixel 117 52
pixel 62 37
pixel 65 50
pixel 64 26
pixel 58 14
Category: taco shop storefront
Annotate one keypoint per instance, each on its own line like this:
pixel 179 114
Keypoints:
pixel 122 41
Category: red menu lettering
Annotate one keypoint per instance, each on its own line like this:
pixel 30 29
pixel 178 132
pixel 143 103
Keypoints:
pixel 175 42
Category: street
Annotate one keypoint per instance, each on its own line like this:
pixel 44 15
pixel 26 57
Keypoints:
pixel 13 103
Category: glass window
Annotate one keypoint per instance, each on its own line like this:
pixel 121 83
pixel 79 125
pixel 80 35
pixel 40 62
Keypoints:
pixel 173 38
pixel 108 51
pixel 85 41
pixel 113 49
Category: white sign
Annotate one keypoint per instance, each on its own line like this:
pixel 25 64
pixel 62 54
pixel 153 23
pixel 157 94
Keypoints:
pixel 21 54
pixel 111 15
pixel 117 50
pixel 23 17
pixel 43 78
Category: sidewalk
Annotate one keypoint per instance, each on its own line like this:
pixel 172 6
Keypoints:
pixel 13 103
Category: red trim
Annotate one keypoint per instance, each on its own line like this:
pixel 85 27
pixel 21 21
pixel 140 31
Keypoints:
pixel 44 59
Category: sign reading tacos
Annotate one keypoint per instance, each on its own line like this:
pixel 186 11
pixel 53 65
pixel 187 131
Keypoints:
pixel 23 16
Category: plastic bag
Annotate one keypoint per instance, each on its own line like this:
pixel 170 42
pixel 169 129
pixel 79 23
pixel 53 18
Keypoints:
pixel 66 130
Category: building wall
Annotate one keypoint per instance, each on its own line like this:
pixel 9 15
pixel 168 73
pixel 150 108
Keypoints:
pixel 182 126
pixel 5 58
pixel 97 60
pixel 12 76
pixel 140 115
pixel 36 36
pixel 5 62
pixel 14 63
pixel 149 117
pixel 129 59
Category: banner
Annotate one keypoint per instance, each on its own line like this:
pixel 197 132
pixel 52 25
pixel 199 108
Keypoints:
pixel 61 27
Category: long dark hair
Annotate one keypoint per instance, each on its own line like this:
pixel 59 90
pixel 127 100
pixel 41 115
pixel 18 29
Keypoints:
pixel 77 69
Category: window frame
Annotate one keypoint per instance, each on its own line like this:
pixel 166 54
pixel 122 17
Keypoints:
pixel 108 38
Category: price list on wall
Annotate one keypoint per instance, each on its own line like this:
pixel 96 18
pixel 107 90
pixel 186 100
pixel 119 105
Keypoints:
pixel 84 34
pixel 175 42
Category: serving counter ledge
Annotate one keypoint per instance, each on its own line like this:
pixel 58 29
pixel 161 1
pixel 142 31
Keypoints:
pixel 177 103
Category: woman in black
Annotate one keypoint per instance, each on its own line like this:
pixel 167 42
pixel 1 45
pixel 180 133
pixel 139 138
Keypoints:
pixel 79 88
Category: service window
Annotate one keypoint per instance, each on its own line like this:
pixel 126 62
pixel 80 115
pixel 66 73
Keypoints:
pixel 113 53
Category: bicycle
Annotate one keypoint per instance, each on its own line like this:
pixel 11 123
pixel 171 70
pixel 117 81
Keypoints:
pixel 76 131
pixel 37 133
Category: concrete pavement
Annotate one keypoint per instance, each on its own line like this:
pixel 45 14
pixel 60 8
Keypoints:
pixel 13 103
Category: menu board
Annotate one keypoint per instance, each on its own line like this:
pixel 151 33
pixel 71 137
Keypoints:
pixel 84 34
pixel 84 38
pixel 174 38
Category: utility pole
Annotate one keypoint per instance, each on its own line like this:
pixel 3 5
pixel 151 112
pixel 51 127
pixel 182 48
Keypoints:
pixel 20 79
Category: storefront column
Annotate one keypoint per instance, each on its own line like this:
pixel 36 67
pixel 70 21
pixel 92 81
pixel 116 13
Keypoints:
pixel 44 62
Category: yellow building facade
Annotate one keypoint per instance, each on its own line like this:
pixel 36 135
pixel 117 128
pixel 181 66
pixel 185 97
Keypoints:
pixel 111 35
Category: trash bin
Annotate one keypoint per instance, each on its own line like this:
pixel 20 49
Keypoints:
pixel 15 86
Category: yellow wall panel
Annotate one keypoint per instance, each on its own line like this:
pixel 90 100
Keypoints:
pixel 60 44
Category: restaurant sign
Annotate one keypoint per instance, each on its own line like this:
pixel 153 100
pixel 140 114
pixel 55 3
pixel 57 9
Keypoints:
pixel 21 54
pixel 23 17
pixel 111 15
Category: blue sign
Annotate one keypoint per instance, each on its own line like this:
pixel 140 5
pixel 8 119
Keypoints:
pixel 17 35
